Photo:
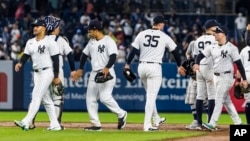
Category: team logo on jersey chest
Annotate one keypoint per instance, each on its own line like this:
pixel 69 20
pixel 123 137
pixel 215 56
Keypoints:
pixel 101 48
pixel 41 49
pixel 223 53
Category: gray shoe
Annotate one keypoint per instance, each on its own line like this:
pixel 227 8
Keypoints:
pixel 193 126
pixel 21 125
pixel 161 121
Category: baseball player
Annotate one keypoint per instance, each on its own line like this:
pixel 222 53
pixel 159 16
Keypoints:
pixel 224 55
pixel 53 29
pixel 205 82
pixel 102 51
pixel 244 55
pixel 152 44
pixel 191 91
pixel 44 54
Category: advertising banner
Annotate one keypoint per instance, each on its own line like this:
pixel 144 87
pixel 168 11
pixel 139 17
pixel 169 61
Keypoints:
pixel 130 96
pixel 6 85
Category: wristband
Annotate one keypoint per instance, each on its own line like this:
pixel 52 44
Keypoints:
pixel 238 79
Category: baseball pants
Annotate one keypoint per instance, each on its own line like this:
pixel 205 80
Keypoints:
pixel 223 84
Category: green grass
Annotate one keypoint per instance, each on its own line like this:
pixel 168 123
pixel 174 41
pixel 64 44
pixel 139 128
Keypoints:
pixel 14 134
pixel 76 134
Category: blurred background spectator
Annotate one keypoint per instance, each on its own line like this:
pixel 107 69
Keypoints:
pixel 123 20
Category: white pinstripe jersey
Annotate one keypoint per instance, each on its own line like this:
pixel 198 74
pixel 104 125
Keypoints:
pixel 223 56
pixel 99 51
pixel 245 58
pixel 64 47
pixel 201 43
pixel 191 48
pixel 152 44
pixel 41 51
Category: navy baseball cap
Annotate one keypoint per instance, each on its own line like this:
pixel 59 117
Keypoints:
pixel 39 22
pixel 94 25
pixel 51 22
pixel 221 29
pixel 159 19
pixel 211 23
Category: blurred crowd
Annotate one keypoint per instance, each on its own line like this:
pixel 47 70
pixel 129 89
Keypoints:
pixel 122 20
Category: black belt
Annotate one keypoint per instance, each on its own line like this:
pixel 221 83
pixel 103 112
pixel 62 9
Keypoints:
pixel 38 70
pixel 225 72
pixel 150 62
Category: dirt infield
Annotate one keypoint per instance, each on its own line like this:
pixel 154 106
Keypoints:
pixel 222 135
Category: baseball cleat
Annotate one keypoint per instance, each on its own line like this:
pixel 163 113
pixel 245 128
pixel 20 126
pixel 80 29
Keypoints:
pixel 54 128
pixel 151 129
pixel 93 128
pixel 199 127
pixel 21 125
pixel 209 126
pixel 122 121
pixel 193 126
pixel 161 121
pixel 63 128
pixel 32 127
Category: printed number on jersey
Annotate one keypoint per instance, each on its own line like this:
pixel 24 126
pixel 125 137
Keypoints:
pixel 201 45
pixel 152 41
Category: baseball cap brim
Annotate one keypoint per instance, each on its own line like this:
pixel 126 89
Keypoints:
pixel 39 22
pixel 221 29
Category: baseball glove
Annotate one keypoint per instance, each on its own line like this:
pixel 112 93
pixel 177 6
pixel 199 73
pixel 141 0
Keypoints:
pixel 239 91
pixel 99 78
pixel 57 89
pixel 188 65
pixel 129 75
pixel 245 90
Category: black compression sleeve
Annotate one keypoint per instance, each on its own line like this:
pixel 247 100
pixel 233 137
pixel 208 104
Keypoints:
pixel 241 69
pixel 199 58
pixel 24 58
pixel 55 60
pixel 177 57
pixel 83 59
pixel 131 55
pixel 112 59
pixel 248 38
pixel 71 61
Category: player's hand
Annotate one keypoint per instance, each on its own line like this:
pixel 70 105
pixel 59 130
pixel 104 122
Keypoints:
pixel 244 84
pixel 127 66
pixel 196 67
pixel 77 75
pixel 72 74
pixel 18 67
pixel 105 71
pixel 56 81
pixel 182 71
